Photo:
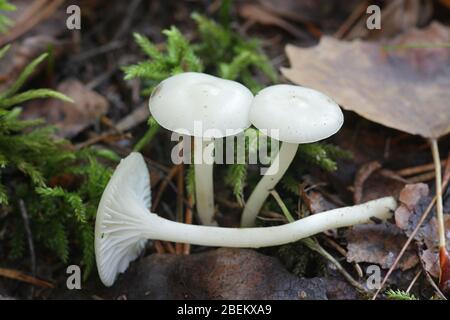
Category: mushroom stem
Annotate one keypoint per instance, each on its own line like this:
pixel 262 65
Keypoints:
pixel 204 184
pixel 158 228
pixel 267 183
pixel 439 206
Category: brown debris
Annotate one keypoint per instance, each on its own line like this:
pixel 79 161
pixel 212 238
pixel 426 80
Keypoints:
pixel 370 78
pixel 221 274
pixel 69 118
pixel 380 244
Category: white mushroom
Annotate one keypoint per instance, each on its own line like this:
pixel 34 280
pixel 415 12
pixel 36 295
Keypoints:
pixel 124 223
pixel 207 108
pixel 295 115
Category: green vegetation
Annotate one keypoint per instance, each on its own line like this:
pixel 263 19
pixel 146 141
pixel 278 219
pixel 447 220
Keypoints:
pixel 399 295
pixel 60 187
pixel 218 50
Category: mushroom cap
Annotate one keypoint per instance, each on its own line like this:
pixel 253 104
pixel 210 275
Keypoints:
pixel 297 114
pixel 119 236
pixel 201 105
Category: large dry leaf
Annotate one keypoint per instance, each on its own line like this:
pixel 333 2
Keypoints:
pixel 69 118
pixel 403 88
pixel 379 243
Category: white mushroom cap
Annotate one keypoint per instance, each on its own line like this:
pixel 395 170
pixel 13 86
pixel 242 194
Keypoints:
pixel 301 115
pixel 118 226
pixel 180 101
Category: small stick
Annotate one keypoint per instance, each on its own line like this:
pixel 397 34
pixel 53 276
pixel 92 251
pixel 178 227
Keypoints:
pixel 413 281
pixel 17 275
pixel 439 202
pixel 169 247
pixel 346 27
pixel 418 169
pixel 422 177
pixel 172 172
pixel 26 222
pixel 188 220
pixel 405 246
pixel 343 252
pixel 159 247
pixel 180 197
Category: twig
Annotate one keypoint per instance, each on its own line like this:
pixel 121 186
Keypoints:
pixel 418 169
pixel 351 20
pixel 168 247
pixel 343 252
pixel 422 177
pixel 413 281
pixel 35 13
pixel 107 136
pixel 129 15
pixel 26 222
pixel 363 174
pixel 188 220
pixel 158 246
pixel 405 246
pixel 431 282
pixel 173 171
pixel 180 199
pixel 439 205
pixel 17 275
pixel 89 54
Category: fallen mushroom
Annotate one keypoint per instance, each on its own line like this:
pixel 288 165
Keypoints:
pixel 297 115
pixel 208 108
pixel 124 222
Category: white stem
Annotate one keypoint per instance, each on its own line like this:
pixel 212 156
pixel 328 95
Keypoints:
pixel 204 185
pixel 439 206
pixel 267 183
pixel 158 228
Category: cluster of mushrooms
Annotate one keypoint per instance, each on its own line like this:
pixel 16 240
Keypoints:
pixel 124 222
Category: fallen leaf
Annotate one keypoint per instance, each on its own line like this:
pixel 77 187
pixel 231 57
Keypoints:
pixel 397 16
pixel 428 234
pixel 27 16
pixel 380 244
pixel 218 274
pixel 372 79
pixel 258 14
pixel 317 202
pixel 329 14
pixel 69 118
pixel 361 176
pixel 414 199
pixel 409 198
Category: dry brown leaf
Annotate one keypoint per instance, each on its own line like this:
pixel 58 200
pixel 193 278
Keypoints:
pixel 430 256
pixel 69 118
pixel 409 198
pixel 380 244
pixel 402 88
pixel 28 16
pixel 258 14
pixel 397 16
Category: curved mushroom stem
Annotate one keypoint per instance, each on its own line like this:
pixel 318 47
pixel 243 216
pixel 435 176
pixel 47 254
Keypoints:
pixel 204 184
pixel 267 183
pixel 158 228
